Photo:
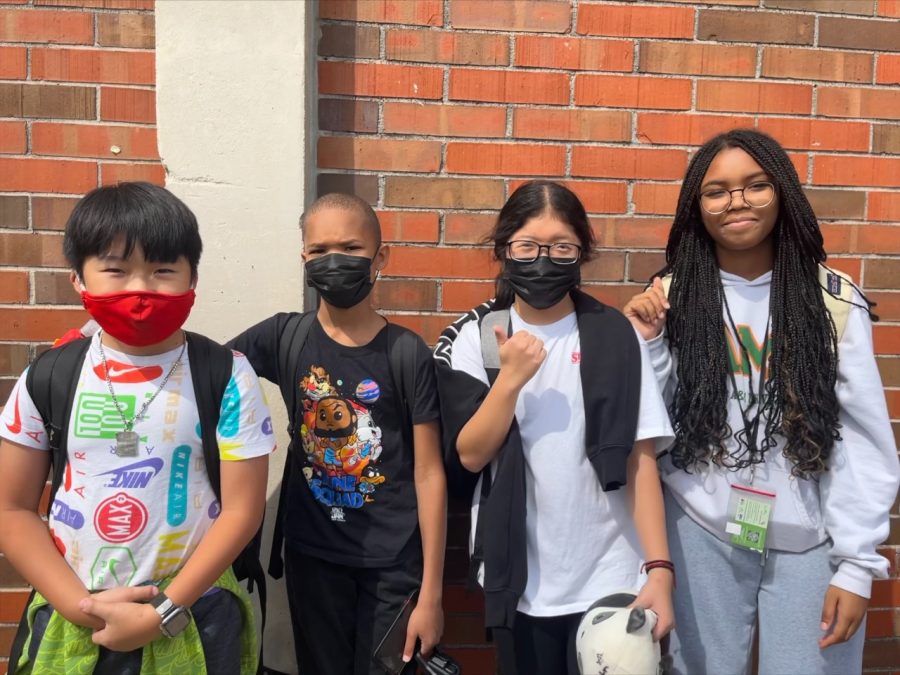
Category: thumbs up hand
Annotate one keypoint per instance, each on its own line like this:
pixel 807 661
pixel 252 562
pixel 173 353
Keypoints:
pixel 521 355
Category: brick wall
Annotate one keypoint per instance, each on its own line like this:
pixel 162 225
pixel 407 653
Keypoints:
pixel 77 110
pixel 436 110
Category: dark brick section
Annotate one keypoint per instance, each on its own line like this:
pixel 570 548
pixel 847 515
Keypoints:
pixel 337 114
pixel 363 186
pixel 837 204
pixel 348 40
pixel 14 212
pixel 43 100
pixel 54 288
pixel 868 34
pixel 13 360
pixel 886 138
pixel 51 213
pixel 863 7
pixel 761 27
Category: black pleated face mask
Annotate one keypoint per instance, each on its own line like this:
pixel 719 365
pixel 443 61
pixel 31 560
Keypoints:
pixel 541 283
pixel 342 280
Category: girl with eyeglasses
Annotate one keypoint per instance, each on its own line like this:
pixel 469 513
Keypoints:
pixel 549 401
pixel 784 466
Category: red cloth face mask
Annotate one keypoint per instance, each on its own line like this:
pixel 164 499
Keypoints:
pixel 139 318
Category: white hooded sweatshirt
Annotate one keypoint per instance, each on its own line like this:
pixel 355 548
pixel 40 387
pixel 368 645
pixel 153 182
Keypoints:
pixel 850 503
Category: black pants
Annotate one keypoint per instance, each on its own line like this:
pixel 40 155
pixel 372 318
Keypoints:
pixel 340 613
pixel 538 645
pixel 219 621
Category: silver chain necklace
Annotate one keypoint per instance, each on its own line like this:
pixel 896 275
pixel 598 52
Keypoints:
pixel 127 440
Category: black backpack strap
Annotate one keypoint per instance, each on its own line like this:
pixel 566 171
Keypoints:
pixel 402 348
pixel 51 382
pixel 290 347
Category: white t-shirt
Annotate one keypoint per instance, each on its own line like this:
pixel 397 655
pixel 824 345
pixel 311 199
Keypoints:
pixel 123 521
pixel 581 541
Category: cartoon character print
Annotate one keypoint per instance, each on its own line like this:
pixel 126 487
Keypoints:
pixel 342 443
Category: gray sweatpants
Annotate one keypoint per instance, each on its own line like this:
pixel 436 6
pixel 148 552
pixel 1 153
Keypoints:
pixel 721 591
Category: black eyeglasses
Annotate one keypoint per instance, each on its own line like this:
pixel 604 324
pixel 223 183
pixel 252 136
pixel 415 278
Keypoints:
pixel 755 195
pixel 561 253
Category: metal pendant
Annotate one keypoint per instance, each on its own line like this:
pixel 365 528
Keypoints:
pixel 127 444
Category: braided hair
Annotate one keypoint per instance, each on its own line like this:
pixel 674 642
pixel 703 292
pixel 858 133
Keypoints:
pixel 800 403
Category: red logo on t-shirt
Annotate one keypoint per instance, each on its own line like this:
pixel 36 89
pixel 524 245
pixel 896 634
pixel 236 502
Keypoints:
pixel 127 373
pixel 16 426
pixel 120 518
pixel 576 357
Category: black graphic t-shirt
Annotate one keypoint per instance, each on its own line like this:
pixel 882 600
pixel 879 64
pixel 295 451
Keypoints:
pixel 351 498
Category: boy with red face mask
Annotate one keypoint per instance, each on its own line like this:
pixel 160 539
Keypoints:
pixel 132 569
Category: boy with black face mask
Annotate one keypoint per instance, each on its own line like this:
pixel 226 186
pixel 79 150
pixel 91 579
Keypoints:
pixel 364 508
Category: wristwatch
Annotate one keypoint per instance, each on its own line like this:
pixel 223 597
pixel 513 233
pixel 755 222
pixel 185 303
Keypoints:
pixel 173 618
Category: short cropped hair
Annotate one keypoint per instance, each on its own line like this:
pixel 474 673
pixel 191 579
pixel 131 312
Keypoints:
pixel 345 202
pixel 144 214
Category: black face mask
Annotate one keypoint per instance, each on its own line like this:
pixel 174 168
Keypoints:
pixel 342 280
pixel 541 283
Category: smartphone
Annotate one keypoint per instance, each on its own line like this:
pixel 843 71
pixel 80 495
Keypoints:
pixel 389 653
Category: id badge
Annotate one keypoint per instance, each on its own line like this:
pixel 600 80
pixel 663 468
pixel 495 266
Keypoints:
pixel 749 513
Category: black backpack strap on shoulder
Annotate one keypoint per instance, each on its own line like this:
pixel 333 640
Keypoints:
pixel 402 347
pixel 51 382
pixel 290 346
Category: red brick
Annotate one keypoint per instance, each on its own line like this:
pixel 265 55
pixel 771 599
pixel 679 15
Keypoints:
pixel 889 8
pixel 882 273
pixel 655 198
pixel 461 296
pixel 38 325
pixel 447 47
pixel 635 21
pixel 888 69
pixel 753 97
pixel 449 263
pixel 884 206
pixel 352 152
pixel 606 266
pixel 509 86
pixel 454 193
pixel 596 196
pixel 13 63
pixel 685 128
pixel 697 59
pixel 755 27
pixel 851 266
pixel 542 16
pixel 420 13
pixel 90 140
pixel 571 53
pixel 99 4
pixel 13 287
pixel 885 592
pixel 843 170
pixel 573 125
pixel 30 25
pixel 405 294
pixel 801 165
pixel 868 238
pixel 136 31
pixel 441 119
pixel 628 162
pixel 47 175
pixel 379 79
pixel 505 159
pixel 51 213
pixel 643 265
pixel 409 226
pixel 31 249
pixel 12 607
pixel 467 228
pixel 613 295
pixel 127 105
pixel 817 134
pixel 112 173
pixel 54 288
pixel 816 64
pixel 854 102
pixel 633 92
pixel 12 138
pixel 631 233
pixel 428 326
pixel 888 309
pixel 93 65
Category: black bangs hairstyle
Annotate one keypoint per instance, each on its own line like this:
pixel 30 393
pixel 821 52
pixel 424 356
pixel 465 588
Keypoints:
pixel 799 402
pixel 529 201
pixel 142 213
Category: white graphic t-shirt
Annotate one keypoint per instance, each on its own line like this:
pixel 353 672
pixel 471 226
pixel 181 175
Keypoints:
pixel 123 521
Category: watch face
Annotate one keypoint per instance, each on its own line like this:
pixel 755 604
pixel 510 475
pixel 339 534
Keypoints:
pixel 176 622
